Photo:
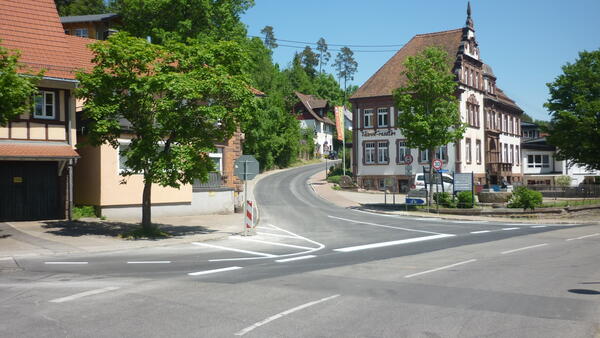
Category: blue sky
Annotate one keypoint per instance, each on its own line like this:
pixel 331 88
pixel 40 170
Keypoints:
pixel 525 42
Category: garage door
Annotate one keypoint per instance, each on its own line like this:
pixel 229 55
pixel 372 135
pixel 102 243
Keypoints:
pixel 29 191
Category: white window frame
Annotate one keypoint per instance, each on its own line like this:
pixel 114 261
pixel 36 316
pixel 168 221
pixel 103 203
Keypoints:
pixel 43 115
pixel 424 156
pixel 370 152
pixel 369 113
pixel 402 150
pixel 478 151
pixel 468 153
pixel 383 152
pixel 441 153
pixel 219 155
pixel 81 32
pixel 383 113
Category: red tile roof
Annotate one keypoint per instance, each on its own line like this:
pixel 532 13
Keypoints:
pixel 45 151
pixel 389 76
pixel 34 28
pixel 311 102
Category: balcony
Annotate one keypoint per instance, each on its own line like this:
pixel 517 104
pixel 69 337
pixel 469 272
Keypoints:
pixel 215 181
pixel 499 168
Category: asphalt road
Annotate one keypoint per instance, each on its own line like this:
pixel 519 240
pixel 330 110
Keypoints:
pixel 317 270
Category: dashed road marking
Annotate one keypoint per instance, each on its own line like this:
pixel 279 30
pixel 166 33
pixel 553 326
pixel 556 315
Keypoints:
pixel 148 262
pixel 84 294
pixel 295 258
pixel 282 314
pixel 525 248
pixel 207 272
pixel 539 226
pixel 275 235
pixel 480 232
pixel 440 268
pixel 391 243
pixel 582 237
pixel 507 229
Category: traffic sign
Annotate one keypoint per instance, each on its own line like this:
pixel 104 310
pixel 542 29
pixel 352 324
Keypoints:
pixel 437 164
pixel 408 159
pixel 246 167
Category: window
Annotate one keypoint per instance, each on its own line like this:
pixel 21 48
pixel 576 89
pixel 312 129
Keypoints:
pixel 44 105
pixel 505 124
pixel 217 159
pixel 424 156
pixel 505 158
pixel 402 150
pixel 370 152
pixel 518 155
pixel 442 153
pixel 381 183
pixel 368 118
pixel 383 153
pixel 468 150
pixel 478 151
pixel 383 117
pixel 123 148
pixel 81 32
pixel 512 154
pixel 538 161
pixel 511 125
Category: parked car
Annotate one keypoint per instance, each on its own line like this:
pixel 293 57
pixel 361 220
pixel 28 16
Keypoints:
pixel 332 155
pixel 418 183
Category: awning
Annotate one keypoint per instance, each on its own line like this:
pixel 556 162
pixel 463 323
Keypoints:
pixel 36 152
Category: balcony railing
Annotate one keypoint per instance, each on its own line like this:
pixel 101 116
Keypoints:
pixel 499 168
pixel 215 180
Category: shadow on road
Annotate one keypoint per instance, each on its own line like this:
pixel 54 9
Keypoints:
pixel 585 291
pixel 115 229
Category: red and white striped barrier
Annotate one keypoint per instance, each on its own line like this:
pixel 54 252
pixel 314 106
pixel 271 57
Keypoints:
pixel 249 215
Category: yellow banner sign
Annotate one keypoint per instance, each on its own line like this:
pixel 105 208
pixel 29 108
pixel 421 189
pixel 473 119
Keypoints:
pixel 339 122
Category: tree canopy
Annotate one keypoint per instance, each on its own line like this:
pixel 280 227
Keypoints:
pixel 179 100
pixel 17 90
pixel 345 65
pixel 81 7
pixel 574 104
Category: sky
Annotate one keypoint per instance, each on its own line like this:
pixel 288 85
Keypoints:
pixel 525 42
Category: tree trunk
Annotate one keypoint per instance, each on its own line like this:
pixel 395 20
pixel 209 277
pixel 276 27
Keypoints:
pixel 147 206
pixel 431 176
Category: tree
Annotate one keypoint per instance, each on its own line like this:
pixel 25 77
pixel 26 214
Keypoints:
pixel 309 61
pixel 323 54
pixel 345 65
pixel 16 91
pixel 270 41
pixel 181 19
pixel 429 115
pixel 80 7
pixel 574 104
pixel 180 100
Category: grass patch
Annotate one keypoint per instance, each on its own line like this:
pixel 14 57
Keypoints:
pixel 336 187
pixel 334 179
pixel 562 204
pixel 141 233
pixel 81 211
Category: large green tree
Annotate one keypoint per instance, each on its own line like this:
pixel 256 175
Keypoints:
pixel 179 99
pixel 575 107
pixel 323 53
pixel 345 65
pixel 80 7
pixel 270 40
pixel 429 115
pixel 16 90
pixel 181 19
pixel 309 61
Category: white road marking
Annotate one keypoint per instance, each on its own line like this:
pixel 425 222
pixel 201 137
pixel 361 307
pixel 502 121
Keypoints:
pixel 525 248
pixel 5 258
pixel 148 262
pixel 469 222
pixel 506 229
pixel 272 243
pixel 233 249
pixel 440 268
pixel 275 235
pixel 294 258
pixel 84 294
pixel 206 272
pixel 282 314
pixel 582 237
pixel 480 232
pixel 66 263
pixel 391 243
pixel 319 247
pixel 384 226
pixel 521 224
pixel 539 226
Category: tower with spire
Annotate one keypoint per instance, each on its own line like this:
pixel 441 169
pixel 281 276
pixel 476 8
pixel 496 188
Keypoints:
pixel 469 42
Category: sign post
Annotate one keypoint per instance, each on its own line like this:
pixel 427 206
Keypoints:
pixel 246 167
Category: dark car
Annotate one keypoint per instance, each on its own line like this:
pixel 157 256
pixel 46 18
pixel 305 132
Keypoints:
pixel 332 155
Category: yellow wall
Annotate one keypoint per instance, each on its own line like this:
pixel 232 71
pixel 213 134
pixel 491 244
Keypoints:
pixel 115 193
pixel 18 130
pixel 87 176
pixel 4 132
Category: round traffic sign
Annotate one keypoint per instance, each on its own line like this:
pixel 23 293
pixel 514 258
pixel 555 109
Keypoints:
pixel 437 164
pixel 408 159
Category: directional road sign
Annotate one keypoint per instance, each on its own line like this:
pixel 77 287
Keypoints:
pixel 246 167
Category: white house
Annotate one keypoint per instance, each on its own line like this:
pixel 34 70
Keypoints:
pixel 312 113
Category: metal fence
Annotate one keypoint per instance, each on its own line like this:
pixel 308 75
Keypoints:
pixel 215 180
pixel 555 191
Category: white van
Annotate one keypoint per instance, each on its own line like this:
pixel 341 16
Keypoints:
pixel 418 183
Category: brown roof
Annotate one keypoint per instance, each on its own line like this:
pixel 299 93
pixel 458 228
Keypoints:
pixel 503 98
pixel 45 151
pixel 311 102
pixel 389 77
pixel 34 28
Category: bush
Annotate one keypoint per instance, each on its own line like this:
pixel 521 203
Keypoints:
pixel 334 179
pixel 83 211
pixel 465 199
pixel 563 181
pixel 525 198
pixel 338 171
pixel 444 199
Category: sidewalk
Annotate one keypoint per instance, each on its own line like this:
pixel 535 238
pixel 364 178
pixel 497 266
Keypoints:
pixel 95 235
pixel 362 200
